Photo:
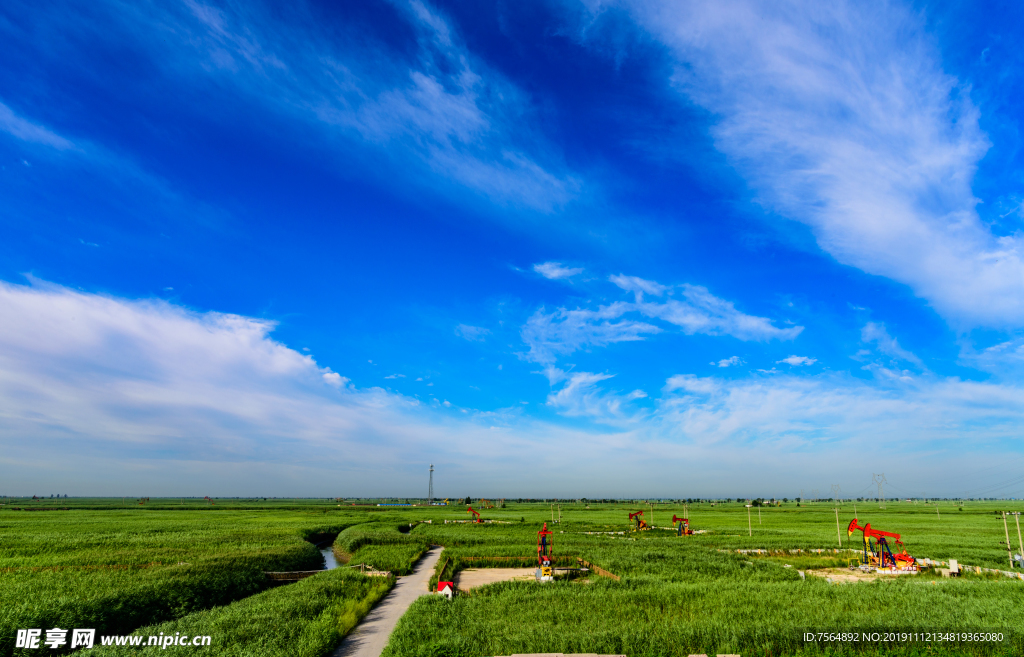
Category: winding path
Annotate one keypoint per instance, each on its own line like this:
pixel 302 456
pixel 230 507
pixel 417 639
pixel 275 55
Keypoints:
pixel 372 634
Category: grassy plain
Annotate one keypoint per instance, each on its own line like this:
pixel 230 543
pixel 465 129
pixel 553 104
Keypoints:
pixel 119 566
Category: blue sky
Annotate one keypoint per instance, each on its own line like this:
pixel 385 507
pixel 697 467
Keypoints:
pixel 554 248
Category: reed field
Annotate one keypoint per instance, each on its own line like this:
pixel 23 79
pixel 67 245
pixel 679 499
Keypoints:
pixel 305 619
pixel 192 564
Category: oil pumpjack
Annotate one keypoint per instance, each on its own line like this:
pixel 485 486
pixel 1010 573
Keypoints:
pixel 682 526
pixel 640 524
pixel 545 547
pixel 880 554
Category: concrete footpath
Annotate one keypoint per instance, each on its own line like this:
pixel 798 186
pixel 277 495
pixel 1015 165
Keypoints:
pixel 371 636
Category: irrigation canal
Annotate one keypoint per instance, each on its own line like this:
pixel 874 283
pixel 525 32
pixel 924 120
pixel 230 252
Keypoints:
pixel 330 563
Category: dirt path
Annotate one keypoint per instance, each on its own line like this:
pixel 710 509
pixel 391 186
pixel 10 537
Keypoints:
pixel 372 634
pixel 474 577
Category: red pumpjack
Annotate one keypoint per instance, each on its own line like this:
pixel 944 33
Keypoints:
pixel 641 524
pixel 545 547
pixel 881 552
pixel 683 526
pixel 475 513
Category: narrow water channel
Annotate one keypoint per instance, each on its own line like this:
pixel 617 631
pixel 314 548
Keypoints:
pixel 330 562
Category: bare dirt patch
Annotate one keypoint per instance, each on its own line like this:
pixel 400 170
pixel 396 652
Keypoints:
pixel 474 577
pixel 845 575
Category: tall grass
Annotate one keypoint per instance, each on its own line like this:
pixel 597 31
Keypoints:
pixel 115 571
pixel 306 619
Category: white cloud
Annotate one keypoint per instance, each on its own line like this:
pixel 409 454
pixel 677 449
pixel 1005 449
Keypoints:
pixel 728 362
pixel 333 378
pixel 841 117
pixel 1005 358
pixel 104 396
pixel 841 414
pixel 581 397
pixel 877 333
pixel 798 360
pixel 562 332
pixel 472 333
pixel 638 285
pixel 25 130
pixel 702 312
pixel 555 270
pixel 395 376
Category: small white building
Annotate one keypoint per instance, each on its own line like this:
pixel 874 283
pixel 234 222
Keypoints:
pixel 447 589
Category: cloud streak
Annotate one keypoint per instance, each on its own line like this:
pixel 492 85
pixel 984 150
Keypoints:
pixel 556 271
pixel 20 128
pixel 442 108
pixel 841 117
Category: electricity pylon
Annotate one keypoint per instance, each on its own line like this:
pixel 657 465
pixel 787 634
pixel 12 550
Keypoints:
pixel 880 480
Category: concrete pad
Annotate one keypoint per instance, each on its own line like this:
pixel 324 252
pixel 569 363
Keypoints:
pixel 474 577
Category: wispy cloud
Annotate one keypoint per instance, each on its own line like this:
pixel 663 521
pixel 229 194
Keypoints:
pixel 798 360
pixel 638 285
pixel 25 130
pixel 876 332
pixel 699 311
pixel 841 117
pixel 581 396
pixel 435 107
pixel 556 271
pixel 728 362
pixel 840 413
pixel 472 333
pixel 561 332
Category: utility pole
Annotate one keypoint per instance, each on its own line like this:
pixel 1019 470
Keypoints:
pixel 880 480
pixel 750 530
pixel 759 514
pixel 838 534
pixel 1016 517
pixel 937 512
pixel 1009 550
pixel 430 487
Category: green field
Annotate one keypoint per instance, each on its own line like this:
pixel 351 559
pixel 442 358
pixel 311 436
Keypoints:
pixel 196 567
